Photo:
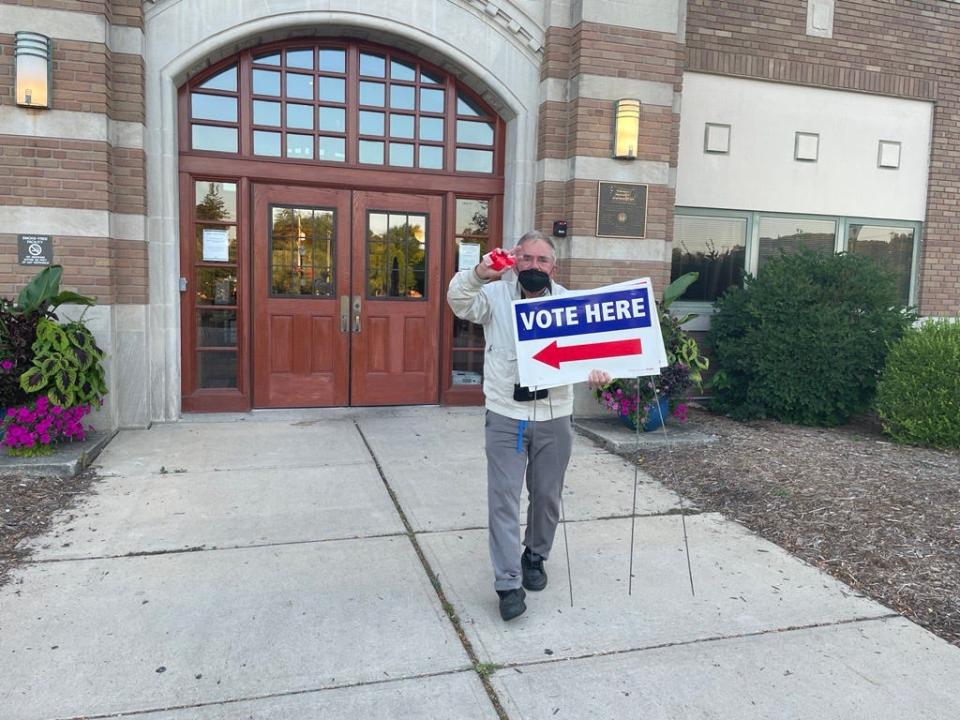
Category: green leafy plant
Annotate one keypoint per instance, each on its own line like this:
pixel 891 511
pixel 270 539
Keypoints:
pixel 67 365
pixel 635 398
pixel 805 340
pixel 42 294
pixel 918 396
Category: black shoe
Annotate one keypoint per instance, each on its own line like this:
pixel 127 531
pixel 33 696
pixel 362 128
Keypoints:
pixel 511 603
pixel 534 576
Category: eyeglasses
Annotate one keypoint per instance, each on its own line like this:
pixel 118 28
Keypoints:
pixel 538 259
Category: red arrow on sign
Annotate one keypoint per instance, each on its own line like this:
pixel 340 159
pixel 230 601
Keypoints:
pixel 553 355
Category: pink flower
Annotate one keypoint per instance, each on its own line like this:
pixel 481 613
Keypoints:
pixel 6 364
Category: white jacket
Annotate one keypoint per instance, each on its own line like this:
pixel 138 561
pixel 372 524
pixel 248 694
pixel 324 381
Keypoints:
pixel 490 304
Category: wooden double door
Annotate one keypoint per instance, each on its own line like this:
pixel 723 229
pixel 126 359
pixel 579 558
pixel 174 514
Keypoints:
pixel 346 297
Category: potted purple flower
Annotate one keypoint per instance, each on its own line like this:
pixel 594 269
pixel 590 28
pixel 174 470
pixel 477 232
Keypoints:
pixel 647 402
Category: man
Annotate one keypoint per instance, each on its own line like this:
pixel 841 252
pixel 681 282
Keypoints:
pixel 528 431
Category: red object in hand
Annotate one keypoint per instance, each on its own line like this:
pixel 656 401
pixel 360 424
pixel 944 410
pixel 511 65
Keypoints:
pixel 500 260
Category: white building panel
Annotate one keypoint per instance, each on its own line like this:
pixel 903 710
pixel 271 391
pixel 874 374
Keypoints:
pixel 760 172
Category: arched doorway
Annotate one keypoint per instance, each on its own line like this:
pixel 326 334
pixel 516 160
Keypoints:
pixel 326 188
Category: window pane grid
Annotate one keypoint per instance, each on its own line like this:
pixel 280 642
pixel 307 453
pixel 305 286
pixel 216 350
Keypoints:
pixel 328 77
pixel 396 255
pixel 302 251
pixel 471 220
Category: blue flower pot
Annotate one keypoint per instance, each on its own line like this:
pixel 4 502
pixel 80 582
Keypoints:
pixel 655 417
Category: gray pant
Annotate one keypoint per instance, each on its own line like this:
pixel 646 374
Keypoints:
pixel 508 443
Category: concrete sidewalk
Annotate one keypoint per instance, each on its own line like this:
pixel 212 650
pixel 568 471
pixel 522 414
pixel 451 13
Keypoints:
pixel 258 566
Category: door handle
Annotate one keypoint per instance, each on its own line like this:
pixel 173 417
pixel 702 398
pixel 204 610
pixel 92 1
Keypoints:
pixel 356 313
pixel 344 313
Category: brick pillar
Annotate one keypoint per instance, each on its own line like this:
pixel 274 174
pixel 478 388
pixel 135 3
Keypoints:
pixel 609 50
pixel 77 170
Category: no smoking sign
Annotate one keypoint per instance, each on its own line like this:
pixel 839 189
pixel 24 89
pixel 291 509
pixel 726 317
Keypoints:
pixel 35 249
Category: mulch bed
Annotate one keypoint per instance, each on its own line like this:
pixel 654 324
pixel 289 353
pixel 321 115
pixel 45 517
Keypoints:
pixel 881 517
pixel 27 505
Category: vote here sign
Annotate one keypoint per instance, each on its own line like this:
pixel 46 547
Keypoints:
pixel 559 340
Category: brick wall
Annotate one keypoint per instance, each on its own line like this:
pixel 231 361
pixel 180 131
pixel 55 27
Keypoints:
pixel 128 190
pixel 626 52
pixel 900 49
pixel 556 53
pixel 113 271
pixel 125 75
pixel 583 273
pixel 53 173
pixel 583 127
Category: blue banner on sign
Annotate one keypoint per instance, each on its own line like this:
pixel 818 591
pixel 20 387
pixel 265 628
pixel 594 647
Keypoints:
pixel 584 314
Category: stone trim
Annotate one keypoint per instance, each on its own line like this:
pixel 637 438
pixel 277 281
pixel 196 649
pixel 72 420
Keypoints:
pixel 79 21
pixel 605 168
pixel 96 127
pixel 73 223
pixel 508 22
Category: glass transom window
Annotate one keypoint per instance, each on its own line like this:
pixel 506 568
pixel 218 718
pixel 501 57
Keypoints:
pixel 354 104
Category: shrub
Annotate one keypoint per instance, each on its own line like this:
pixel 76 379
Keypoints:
pixel 805 340
pixel 918 396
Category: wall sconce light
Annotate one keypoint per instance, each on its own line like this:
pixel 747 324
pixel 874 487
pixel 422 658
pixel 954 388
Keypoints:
pixel 626 131
pixel 34 67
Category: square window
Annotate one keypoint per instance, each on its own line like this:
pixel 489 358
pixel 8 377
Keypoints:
pixel 371 93
pixel 333 119
pixel 888 154
pixel 332 89
pixel 401 126
pixel 332 149
pixel 401 154
pixel 332 61
pixel 371 123
pixel 300 86
pixel 716 138
pixel 266 143
pixel 371 152
pixel 266 113
pixel 266 82
pixel 401 97
pixel 431 128
pixel 300 116
pixel 806 147
pixel 300 146
pixel 431 157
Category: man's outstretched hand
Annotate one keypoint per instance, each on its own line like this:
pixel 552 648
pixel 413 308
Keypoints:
pixel 495 263
pixel 598 378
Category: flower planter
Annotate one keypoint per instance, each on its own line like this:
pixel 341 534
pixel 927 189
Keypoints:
pixel 655 417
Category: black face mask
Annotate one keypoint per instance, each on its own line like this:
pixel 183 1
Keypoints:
pixel 533 280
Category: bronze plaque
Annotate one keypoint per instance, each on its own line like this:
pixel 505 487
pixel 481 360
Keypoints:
pixel 621 210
